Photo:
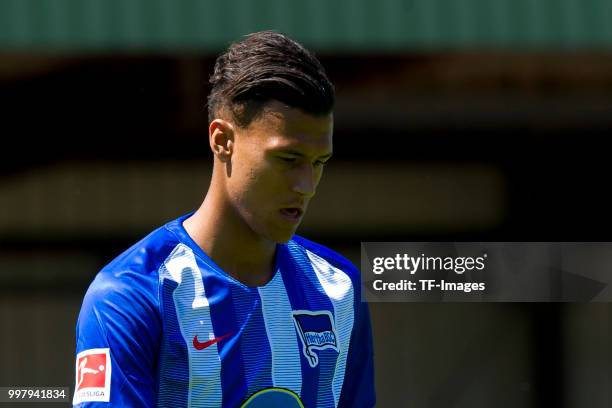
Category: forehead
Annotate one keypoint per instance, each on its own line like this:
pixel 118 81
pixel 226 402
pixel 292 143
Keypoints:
pixel 280 126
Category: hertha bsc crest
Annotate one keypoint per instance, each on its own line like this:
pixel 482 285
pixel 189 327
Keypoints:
pixel 317 331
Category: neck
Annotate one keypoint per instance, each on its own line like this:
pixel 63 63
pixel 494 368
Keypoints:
pixel 226 238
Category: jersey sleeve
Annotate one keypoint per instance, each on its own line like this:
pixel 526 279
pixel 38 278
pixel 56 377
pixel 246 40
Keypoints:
pixel 358 390
pixel 118 333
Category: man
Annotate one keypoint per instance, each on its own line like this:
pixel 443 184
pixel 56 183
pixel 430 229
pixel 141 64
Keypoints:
pixel 226 306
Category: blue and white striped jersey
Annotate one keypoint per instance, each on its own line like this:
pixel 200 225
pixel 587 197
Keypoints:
pixel 163 325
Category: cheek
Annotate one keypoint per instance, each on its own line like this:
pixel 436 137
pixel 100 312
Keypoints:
pixel 255 185
pixel 245 169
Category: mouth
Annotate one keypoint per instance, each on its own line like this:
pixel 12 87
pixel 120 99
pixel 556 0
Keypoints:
pixel 293 214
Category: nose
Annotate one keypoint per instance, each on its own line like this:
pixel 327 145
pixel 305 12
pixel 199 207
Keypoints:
pixel 306 181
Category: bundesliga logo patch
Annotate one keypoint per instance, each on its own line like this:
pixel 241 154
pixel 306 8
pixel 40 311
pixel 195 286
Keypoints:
pixel 93 376
pixel 317 332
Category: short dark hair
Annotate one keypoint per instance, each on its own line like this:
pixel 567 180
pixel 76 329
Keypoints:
pixel 267 66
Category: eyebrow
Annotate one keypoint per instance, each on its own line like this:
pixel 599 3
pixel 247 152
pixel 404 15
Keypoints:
pixel 296 153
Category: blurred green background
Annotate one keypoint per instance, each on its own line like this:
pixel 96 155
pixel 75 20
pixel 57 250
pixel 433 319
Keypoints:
pixel 474 120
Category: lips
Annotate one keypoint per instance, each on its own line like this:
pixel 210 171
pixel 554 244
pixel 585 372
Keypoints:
pixel 293 214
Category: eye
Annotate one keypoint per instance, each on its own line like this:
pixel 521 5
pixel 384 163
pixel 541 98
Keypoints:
pixel 288 159
pixel 322 162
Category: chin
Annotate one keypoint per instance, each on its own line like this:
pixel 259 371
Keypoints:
pixel 279 233
pixel 282 238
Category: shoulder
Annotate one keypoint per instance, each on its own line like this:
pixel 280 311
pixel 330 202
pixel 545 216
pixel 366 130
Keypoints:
pixel 145 256
pixel 326 254
pixel 327 260
pixel 133 275
pixel 121 308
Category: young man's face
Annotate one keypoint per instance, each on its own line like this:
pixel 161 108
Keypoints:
pixel 276 166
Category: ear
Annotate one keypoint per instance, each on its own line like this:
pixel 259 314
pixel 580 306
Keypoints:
pixel 221 139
